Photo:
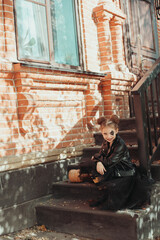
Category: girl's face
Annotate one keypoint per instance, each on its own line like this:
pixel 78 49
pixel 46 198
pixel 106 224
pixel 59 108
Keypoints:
pixel 109 133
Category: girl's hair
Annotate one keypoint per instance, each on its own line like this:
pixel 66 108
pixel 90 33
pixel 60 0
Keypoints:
pixel 112 121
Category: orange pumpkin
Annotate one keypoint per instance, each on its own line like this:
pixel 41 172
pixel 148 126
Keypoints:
pixel 74 175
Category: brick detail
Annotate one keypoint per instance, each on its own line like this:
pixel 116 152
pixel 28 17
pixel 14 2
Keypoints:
pixel 116 89
pixel 116 86
pixel 117 40
pixel 158 29
pixel 46 113
pixel 102 19
pixel 109 18
pixel 2 32
pixel 7 30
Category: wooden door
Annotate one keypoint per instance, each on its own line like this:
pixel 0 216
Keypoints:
pixel 140 34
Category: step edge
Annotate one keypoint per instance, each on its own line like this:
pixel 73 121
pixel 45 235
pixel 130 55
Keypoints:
pixel 133 216
pixel 99 146
pixel 74 185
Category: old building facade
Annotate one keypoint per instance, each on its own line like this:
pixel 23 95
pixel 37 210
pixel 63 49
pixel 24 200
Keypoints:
pixel 49 102
pixel 63 63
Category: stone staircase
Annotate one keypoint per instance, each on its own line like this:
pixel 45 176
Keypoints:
pixel 69 212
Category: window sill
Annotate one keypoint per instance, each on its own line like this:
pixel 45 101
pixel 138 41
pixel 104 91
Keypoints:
pixel 71 70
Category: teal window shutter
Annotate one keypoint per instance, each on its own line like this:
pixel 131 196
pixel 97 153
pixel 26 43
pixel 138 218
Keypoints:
pixel 64 29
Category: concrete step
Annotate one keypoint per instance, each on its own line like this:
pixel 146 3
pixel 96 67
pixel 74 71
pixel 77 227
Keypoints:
pixel 129 136
pixel 90 151
pixel 127 124
pixel 70 190
pixel 74 216
pixel 130 123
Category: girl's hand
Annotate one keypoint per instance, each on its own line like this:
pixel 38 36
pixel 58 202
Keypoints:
pixel 100 168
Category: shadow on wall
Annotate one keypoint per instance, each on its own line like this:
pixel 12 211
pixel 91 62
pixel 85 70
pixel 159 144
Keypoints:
pixel 49 124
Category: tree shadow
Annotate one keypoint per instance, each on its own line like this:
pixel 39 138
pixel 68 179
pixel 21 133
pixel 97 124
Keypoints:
pixel 40 125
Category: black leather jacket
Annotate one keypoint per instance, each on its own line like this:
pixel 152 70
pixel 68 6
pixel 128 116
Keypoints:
pixel 116 160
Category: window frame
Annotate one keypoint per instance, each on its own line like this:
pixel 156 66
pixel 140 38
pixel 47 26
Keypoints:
pixel 51 61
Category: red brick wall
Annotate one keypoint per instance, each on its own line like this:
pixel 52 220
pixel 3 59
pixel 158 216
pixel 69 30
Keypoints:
pixel 158 28
pixel 2 37
pixel 47 115
pixel 7 29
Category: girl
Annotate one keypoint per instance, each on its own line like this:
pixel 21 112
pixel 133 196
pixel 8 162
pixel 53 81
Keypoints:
pixel 113 160
pixel 120 186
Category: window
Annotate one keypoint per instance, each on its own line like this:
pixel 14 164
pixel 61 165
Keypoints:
pixel 48 32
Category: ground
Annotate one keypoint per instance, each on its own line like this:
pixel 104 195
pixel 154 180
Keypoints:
pixel 40 233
